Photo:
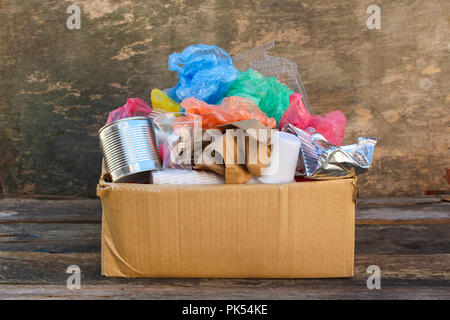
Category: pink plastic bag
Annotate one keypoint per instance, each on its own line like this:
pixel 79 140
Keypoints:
pixel 133 108
pixel 296 114
pixel 331 126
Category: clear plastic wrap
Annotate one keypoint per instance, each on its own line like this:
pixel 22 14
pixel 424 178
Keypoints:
pixel 179 131
pixel 285 70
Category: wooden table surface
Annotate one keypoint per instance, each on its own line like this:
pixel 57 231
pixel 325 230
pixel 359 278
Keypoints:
pixel 408 238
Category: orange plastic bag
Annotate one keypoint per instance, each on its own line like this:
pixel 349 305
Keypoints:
pixel 230 110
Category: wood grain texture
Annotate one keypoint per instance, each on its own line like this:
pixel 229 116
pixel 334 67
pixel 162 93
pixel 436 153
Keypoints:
pixel 58 85
pixel 369 211
pixel 39 239
pixel 370 239
pixel 14 210
pixel 397 201
pixel 222 292
pixel 418 214
pixel 403 277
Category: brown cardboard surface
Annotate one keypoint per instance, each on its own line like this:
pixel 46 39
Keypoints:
pixel 297 230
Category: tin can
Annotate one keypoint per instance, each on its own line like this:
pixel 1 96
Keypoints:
pixel 129 149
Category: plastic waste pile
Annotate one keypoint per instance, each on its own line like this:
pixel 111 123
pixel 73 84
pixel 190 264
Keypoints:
pixel 255 94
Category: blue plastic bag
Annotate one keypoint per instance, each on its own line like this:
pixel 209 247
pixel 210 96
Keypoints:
pixel 205 72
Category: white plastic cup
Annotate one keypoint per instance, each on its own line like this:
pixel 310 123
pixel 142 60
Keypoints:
pixel 283 160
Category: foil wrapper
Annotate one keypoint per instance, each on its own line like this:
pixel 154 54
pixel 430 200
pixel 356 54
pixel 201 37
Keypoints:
pixel 319 159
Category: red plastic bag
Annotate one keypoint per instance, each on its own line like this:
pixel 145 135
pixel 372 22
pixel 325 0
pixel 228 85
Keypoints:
pixel 230 110
pixel 296 114
pixel 133 108
pixel 331 126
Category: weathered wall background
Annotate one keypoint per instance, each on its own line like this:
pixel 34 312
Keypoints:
pixel 58 85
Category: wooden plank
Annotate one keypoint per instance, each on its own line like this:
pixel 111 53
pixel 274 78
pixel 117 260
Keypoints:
pixel 403 276
pixel 397 201
pixel 405 210
pixel 402 239
pixel 41 197
pixel 409 214
pixel 401 269
pixel 53 237
pixel 38 231
pixel 14 210
pixel 144 292
pixel 370 239
pixel 49 268
pixel 53 246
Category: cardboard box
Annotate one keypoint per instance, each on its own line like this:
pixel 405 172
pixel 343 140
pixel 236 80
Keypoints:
pixel 297 230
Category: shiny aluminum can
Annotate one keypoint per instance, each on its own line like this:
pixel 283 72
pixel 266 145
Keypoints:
pixel 129 149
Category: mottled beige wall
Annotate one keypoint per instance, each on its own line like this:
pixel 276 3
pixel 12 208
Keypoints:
pixel 58 85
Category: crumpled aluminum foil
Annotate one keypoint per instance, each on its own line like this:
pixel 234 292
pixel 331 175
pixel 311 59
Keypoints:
pixel 319 159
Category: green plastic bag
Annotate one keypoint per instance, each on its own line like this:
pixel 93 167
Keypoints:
pixel 271 96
